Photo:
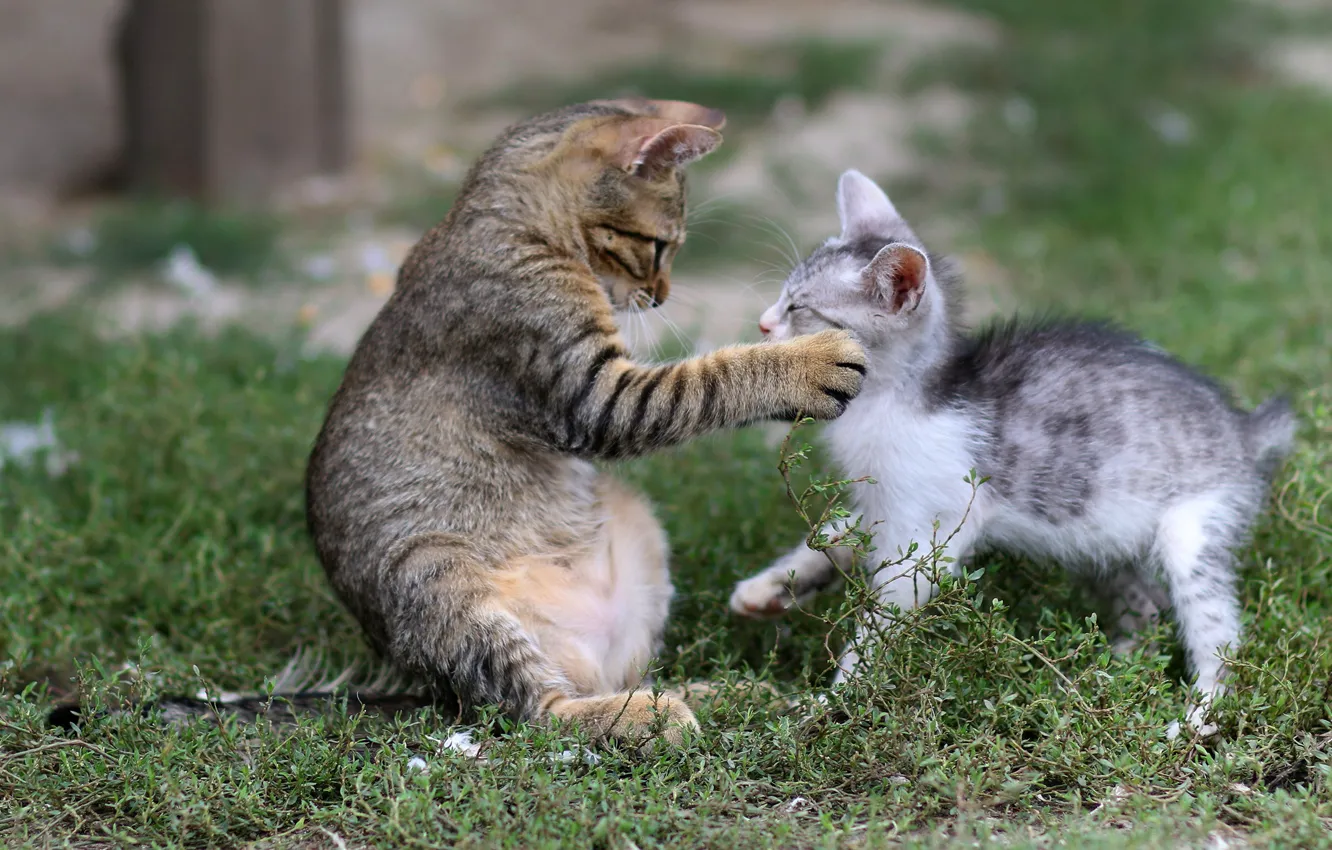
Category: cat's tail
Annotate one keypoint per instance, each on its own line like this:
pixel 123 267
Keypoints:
pixel 296 692
pixel 1271 431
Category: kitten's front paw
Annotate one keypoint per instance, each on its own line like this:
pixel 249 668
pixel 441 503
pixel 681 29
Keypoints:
pixel 762 596
pixel 1196 720
pixel 829 368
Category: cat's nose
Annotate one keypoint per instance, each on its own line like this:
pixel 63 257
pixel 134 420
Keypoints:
pixel 661 290
pixel 764 327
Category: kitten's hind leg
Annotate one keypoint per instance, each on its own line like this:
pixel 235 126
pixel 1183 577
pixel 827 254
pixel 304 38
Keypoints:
pixel 793 580
pixel 1194 543
pixel 1135 604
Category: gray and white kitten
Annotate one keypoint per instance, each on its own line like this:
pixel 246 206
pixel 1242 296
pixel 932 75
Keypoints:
pixel 1102 452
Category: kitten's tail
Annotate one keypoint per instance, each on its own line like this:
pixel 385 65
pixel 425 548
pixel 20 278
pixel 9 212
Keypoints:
pixel 1271 430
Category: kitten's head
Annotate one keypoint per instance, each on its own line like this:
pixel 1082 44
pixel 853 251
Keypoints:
pixel 606 179
pixel 875 279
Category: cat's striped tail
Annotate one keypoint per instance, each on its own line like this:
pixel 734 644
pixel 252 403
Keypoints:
pixel 297 691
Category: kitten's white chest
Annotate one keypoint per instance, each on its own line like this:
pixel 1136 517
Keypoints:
pixel 919 462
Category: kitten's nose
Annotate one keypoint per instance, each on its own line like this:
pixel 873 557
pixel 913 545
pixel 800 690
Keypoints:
pixel 764 327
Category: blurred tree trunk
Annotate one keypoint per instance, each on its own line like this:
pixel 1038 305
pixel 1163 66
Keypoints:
pixel 232 99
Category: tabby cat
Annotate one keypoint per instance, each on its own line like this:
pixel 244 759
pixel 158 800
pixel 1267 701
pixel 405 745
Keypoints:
pixel 452 497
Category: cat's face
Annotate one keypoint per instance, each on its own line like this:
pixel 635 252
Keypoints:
pixel 873 280
pixel 630 168
pixel 633 230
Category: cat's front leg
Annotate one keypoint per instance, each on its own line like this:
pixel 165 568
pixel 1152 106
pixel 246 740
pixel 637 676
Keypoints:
pixel 606 406
pixel 792 581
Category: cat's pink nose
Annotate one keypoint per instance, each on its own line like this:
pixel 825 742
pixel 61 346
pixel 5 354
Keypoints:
pixel 764 327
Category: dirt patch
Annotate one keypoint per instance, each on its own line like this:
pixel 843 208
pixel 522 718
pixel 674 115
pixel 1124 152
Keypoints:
pixel 1303 61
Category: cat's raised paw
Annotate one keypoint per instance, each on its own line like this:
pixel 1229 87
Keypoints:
pixel 831 366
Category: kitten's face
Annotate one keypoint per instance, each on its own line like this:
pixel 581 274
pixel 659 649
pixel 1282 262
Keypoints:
pixel 630 168
pixel 870 280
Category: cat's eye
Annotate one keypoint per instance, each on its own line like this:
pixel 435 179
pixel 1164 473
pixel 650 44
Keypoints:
pixel 791 308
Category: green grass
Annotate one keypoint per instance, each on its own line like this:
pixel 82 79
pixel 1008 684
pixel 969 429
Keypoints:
pixel 177 543
pixel 140 235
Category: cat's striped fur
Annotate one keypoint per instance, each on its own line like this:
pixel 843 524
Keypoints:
pixel 450 495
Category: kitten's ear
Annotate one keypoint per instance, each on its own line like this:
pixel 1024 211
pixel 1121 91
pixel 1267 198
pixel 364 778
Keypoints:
pixel 673 147
pixel 896 277
pixel 863 207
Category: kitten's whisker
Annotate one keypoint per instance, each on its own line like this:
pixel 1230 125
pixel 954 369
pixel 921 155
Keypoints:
pixel 747 286
pixel 773 268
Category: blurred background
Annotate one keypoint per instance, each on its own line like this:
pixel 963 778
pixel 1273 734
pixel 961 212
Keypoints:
pixel 270 162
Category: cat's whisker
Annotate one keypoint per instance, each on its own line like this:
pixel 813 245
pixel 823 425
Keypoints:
pixel 684 294
pixel 714 201
pixel 643 331
pixel 625 320
pixel 695 236
pixel 748 287
pixel 686 344
pixel 790 251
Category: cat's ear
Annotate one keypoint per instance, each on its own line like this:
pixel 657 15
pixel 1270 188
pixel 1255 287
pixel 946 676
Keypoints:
pixel 674 146
pixel 896 277
pixel 644 146
pixel 676 111
pixel 863 207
